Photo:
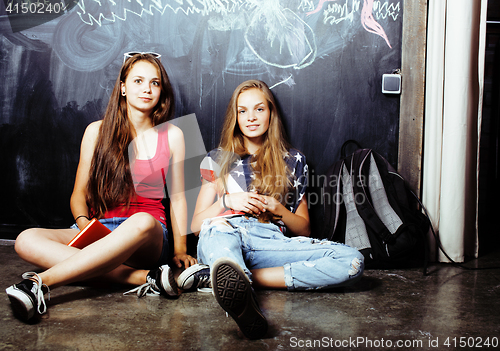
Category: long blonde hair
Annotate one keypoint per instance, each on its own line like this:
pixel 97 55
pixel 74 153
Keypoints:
pixel 110 181
pixel 269 166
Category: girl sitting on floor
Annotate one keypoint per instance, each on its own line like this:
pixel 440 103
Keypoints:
pixel 252 215
pixel 123 187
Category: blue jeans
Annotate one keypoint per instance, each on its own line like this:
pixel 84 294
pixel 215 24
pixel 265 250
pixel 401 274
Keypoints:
pixel 113 223
pixel 308 263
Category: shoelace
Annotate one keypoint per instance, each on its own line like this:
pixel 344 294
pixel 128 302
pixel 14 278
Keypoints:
pixel 148 288
pixel 37 291
pixel 205 284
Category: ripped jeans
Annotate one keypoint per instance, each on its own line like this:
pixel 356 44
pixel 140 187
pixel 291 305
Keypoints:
pixel 309 263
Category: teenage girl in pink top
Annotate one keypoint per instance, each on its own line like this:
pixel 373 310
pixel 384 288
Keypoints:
pixel 120 181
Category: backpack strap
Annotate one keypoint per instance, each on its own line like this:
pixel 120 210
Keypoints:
pixel 356 234
pixel 343 149
pixel 361 162
pixel 331 193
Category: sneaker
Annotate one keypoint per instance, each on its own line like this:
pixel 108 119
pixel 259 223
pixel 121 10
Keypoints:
pixel 27 297
pixel 160 281
pixel 234 293
pixel 195 277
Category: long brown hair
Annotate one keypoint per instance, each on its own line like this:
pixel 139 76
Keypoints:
pixel 271 171
pixel 110 181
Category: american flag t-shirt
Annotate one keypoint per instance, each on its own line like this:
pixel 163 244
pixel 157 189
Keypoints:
pixel 241 175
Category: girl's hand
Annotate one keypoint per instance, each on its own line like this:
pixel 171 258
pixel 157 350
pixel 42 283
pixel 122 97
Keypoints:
pixel 247 202
pixel 272 205
pixel 184 259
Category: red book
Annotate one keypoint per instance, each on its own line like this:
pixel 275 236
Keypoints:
pixel 93 231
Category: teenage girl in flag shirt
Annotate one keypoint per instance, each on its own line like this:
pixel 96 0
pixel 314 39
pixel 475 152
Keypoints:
pixel 252 215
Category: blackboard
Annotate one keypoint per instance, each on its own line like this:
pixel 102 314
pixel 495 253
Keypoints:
pixel 323 59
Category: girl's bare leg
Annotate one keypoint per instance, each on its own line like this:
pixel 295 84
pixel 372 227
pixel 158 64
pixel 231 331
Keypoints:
pixel 137 242
pixel 45 248
pixel 269 278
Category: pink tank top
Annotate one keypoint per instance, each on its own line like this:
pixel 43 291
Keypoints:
pixel 149 182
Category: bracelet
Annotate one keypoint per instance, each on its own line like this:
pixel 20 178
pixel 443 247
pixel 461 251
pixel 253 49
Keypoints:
pixel 81 216
pixel 224 202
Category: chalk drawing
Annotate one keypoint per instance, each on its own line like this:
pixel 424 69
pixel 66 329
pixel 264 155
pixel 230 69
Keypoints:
pixel 289 41
pixel 369 23
pixel 263 37
pixel 279 83
pixel 319 7
pixel 306 6
pixel 386 10
pixel 342 11
pixel 121 10
pixel 300 55
pixel 336 13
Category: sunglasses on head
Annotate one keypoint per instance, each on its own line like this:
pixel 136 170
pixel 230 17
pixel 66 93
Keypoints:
pixel 130 54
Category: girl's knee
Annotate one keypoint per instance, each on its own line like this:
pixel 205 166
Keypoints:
pixel 354 260
pixel 25 241
pixel 218 241
pixel 144 222
pixel 357 266
pixel 349 258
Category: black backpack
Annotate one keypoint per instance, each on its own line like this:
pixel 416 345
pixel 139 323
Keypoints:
pixel 369 206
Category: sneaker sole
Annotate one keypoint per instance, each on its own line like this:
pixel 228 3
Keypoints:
pixel 171 289
pixel 21 304
pixel 233 292
pixel 183 278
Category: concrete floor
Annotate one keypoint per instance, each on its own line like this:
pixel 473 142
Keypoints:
pixel 387 309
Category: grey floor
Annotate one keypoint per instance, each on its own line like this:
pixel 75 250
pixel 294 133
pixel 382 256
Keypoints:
pixel 388 309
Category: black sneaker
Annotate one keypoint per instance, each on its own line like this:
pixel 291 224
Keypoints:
pixel 160 281
pixel 195 278
pixel 27 297
pixel 235 295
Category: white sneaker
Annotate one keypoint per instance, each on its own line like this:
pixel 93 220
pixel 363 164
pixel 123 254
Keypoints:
pixel 195 277
pixel 160 281
pixel 27 297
